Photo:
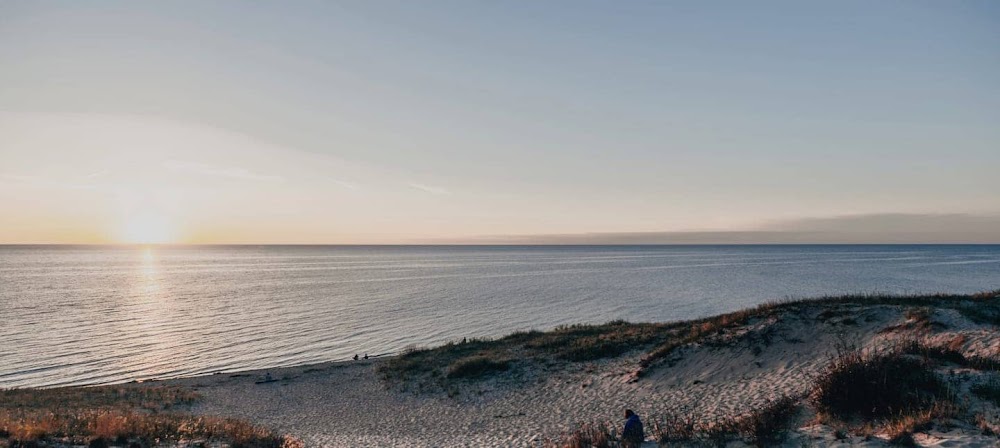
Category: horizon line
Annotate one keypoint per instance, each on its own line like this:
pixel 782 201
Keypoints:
pixel 503 244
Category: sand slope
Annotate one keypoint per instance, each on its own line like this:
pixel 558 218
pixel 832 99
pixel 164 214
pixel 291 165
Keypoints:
pixel 347 404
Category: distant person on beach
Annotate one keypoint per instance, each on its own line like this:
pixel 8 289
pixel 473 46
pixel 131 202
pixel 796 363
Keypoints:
pixel 366 356
pixel 632 433
pixel 355 356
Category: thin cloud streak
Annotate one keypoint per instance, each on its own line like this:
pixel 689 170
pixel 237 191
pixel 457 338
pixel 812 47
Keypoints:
pixel 218 171
pixel 346 184
pixel 431 189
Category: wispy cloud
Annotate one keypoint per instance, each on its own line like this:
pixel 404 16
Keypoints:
pixel 346 184
pixel 218 171
pixel 430 189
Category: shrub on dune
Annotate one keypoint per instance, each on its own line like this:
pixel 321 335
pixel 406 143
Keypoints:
pixel 876 384
pixel 476 366
pixel 893 388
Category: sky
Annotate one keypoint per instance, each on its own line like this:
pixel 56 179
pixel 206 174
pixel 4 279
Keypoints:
pixel 508 121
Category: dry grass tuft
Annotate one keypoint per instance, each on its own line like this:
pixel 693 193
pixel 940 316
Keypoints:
pixel 875 384
pixel 900 429
pixel 895 389
pixel 597 435
pixel 766 425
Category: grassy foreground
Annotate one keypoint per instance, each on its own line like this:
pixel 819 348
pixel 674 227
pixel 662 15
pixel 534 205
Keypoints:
pixel 127 416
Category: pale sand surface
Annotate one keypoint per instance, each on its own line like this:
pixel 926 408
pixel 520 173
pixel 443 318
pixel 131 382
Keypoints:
pixel 347 404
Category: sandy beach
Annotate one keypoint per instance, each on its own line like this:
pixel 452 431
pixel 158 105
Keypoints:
pixel 726 373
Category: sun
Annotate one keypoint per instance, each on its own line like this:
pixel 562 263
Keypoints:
pixel 146 227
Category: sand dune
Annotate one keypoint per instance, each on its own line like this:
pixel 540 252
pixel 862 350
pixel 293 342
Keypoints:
pixel 723 374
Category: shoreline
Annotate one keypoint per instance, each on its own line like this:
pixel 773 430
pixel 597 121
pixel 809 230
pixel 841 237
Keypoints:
pixel 535 388
pixel 857 299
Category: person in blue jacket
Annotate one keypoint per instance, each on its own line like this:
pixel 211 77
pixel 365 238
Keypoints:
pixel 632 433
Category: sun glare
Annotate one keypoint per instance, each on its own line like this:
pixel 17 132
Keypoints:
pixel 146 228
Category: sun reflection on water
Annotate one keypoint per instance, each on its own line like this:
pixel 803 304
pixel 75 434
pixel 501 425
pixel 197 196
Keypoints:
pixel 154 320
pixel 149 271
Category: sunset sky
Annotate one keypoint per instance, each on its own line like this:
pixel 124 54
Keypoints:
pixel 513 121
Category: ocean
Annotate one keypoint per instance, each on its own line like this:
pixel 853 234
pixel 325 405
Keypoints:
pixel 74 315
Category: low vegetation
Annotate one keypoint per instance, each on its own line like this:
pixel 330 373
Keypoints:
pixel 476 366
pixel 988 390
pixel 876 384
pixel 112 397
pixel 899 429
pixel 413 361
pixel 698 330
pixel 596 435
pixel 592 342
pixel 766 425
pixel 477 358
pixel 895 390
pixel 949 354
pixel 119 416
pixel 654 344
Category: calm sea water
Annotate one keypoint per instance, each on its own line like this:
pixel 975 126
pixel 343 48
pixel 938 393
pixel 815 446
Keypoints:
pixel 90 315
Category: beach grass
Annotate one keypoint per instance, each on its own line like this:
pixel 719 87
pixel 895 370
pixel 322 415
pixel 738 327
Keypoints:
pixel 476 358
pixel 476 366
pixel 876 384
pixel 127 415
